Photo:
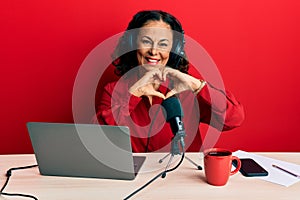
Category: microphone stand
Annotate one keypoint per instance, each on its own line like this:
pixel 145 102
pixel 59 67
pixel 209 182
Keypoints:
pixel 176 140
pixel 174 151
pixel 179 137
pixel 174 145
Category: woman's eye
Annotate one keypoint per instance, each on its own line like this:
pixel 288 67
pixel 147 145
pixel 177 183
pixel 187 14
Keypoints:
pixel 163 44
pixel 146 42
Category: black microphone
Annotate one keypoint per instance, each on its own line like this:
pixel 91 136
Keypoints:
pixel 173 113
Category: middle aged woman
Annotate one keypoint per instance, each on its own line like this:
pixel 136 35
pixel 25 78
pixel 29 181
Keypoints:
pixel 155 68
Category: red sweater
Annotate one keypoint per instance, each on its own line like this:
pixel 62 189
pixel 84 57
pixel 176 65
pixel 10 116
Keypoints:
pixel 147 124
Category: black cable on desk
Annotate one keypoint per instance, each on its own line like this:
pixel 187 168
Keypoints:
pixel 162 174
pixel 8 175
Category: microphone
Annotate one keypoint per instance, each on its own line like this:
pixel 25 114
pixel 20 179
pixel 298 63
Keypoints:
pixel 174 113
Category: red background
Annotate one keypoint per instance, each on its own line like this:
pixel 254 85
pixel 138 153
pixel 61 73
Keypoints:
pixel 255 45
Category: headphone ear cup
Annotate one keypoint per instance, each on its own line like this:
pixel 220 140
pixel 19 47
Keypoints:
pixel 178 50
pixel 179 44
pixel 130 42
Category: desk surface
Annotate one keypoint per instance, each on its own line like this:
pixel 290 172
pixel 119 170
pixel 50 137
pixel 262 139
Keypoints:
pixel 186 182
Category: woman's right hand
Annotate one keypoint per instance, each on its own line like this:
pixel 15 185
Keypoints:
pixel 148 84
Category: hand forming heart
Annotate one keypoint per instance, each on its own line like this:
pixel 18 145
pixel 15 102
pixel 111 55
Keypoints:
pixel 149 83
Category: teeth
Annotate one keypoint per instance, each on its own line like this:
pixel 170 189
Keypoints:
pixel 153 61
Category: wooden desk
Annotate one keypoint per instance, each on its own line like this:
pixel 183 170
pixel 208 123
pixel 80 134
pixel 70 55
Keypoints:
pixel 184 183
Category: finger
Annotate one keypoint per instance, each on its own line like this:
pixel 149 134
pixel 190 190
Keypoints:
pixel 170 93
pixel 171 73
pixel 156 82
pixel 159 74
pixel 150 78
pixel 164 74
pixel 158 94
pixel 154 73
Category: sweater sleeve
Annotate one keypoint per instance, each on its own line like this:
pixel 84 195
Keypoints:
pixel 219 108
pixel 115 106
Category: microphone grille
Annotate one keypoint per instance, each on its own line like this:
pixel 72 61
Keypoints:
pixel 172 108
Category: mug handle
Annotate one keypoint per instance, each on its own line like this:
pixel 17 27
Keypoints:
pixel 238 166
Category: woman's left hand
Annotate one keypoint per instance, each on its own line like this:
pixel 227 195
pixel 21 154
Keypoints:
pixel 181 81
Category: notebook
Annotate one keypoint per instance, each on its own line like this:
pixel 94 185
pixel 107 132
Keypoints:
pixel 84 150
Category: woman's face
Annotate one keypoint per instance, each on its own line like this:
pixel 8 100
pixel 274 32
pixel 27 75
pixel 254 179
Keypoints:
pixel 154 43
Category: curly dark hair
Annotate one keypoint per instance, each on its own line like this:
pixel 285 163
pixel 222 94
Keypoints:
pixel 124 55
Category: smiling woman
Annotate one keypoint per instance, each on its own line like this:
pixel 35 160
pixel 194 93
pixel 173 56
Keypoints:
pixel 154 43
pixel 152 63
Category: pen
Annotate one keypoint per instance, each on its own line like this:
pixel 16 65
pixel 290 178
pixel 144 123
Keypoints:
pixel 298 176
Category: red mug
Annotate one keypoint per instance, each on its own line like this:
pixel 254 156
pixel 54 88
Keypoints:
pixel 217 165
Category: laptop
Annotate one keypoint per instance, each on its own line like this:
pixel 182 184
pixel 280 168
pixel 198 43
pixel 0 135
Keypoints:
pixel 84 150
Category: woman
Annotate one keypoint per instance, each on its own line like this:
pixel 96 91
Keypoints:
pixel 151 61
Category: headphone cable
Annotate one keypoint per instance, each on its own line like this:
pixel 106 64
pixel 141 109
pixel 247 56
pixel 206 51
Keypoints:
pixel 162 174
pixel 8 175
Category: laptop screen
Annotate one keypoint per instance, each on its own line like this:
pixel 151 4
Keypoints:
pixel 83 150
